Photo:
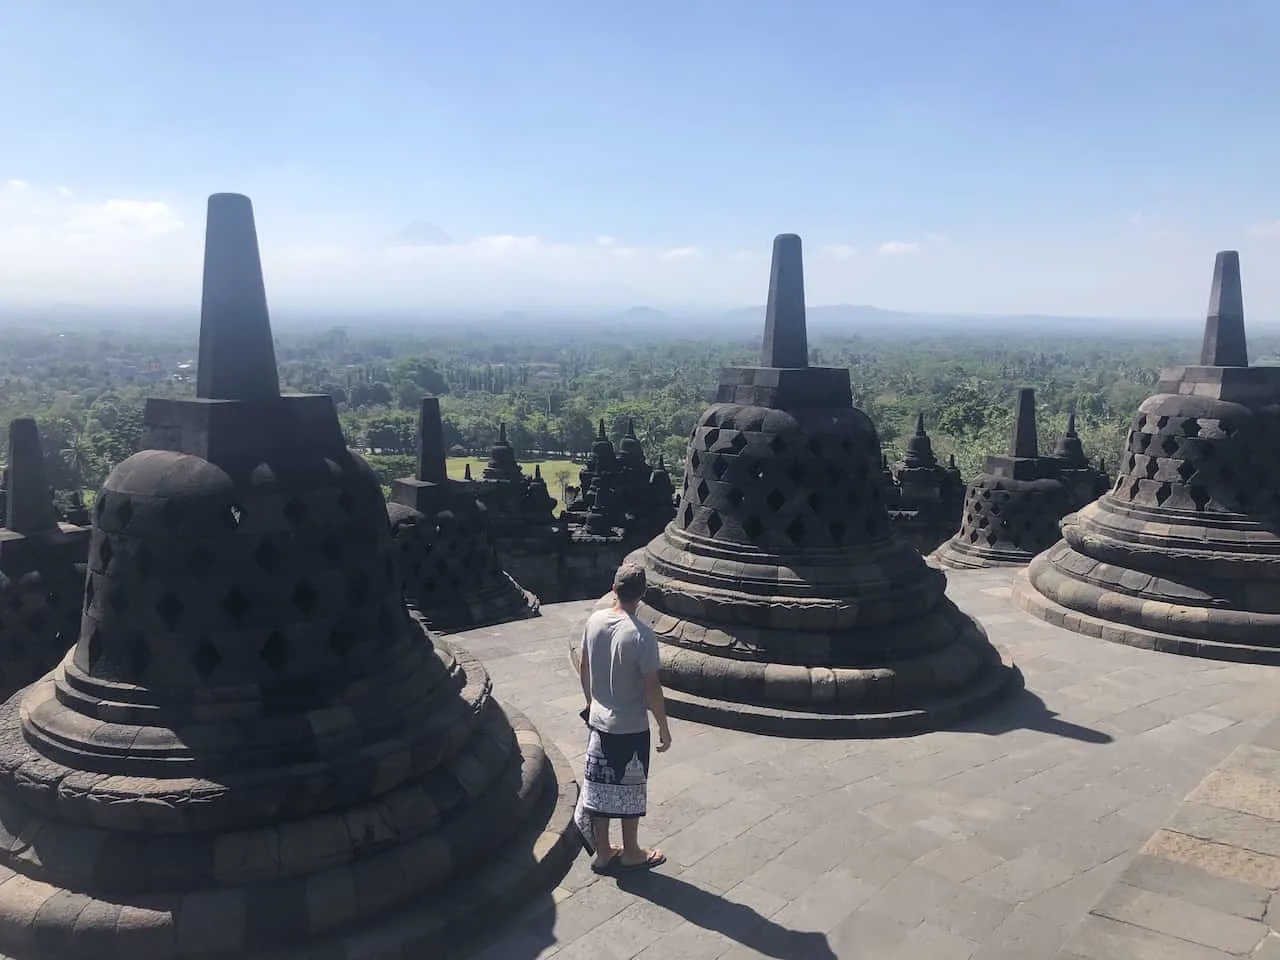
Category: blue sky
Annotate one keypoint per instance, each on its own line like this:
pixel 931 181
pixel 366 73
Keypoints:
pixel 966 155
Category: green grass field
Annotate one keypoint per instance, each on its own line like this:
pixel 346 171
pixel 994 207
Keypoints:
pixel 551 471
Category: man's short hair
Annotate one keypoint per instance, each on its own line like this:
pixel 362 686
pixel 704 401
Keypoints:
pixel 629 582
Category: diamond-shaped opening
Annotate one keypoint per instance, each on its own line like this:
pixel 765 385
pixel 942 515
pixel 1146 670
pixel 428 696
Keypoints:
pixel 1133 462
pixel 735 497
pixel 986 494
pixel 973 536
pixel 1169 445
pixel 124 512
pixel 712 419
pixel 105 553
pixel 796 471
pixel 143 561
pixel 775 499
pixel 170 607
pixel 755 424
pixel 991 537
pixel 1134 489
pixel 687 515
pixel 984 522
pixel 777 445
pixel 1186 470
pixel 1142 421
pixel 815 501
pixel 1162 422
pixel 737 443
pixel 995 509
pixel 267 555
pixel 796 531
pixel 347 501
pixel 695 461
pixel 728 423
pixel 815 446
pixel 709 438
pixel 1191 427
pixel 837 531
pixel 718 466
pixel 702 490
pixel 1152 468
pixel 1199 496
pixel 714 523
pixel 304 597
pixel 236 604
pixel 1163 493
pixel 1144 441
pixel 358 589
pixel 139 656
pixel 295 511
pixel 1226 427
pixel 119 598
pixel 752 527
pixel 275 652
pixel 235 516
pixel 205 660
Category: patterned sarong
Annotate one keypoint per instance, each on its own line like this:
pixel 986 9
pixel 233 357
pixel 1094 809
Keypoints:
pixel 615 783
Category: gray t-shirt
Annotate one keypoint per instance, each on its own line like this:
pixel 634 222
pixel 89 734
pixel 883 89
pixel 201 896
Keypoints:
pixel 620 651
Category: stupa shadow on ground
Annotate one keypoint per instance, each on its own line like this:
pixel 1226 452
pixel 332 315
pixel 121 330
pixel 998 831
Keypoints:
pixel 992 840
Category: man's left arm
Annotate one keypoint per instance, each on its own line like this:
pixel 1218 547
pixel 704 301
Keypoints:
pixel 584 669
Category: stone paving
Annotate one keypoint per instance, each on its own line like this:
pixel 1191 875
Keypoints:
pixel 990 841
pixel 1204 887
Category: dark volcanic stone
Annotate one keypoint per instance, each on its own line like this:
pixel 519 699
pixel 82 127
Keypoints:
pixel 779 592
pixel 1182 554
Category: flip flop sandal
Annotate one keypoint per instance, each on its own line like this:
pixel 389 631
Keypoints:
pixel 608 867
pixel 655 859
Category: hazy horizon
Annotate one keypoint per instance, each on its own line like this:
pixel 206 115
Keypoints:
pixel 1050 159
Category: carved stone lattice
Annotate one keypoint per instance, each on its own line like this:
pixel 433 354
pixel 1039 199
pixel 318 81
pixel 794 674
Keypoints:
pixel 254 749
pixel 1182 554
pixel 780 594
pixel 1012 509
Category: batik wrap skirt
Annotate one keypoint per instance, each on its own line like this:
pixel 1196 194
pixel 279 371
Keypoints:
pixel 615 782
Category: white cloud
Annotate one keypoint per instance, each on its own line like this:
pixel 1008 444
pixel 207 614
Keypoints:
pixel 898 248
pixel 682 253
pixel 18 186
pixel 839 252
pixel 1266 230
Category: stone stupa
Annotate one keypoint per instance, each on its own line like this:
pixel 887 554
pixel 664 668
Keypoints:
pixel 1011 510
pixel 254 750
pixel 445 551
pixel 42 568
pixel 1183 553
pixel 783 600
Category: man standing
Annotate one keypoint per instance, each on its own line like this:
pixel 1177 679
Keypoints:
pixel 619 672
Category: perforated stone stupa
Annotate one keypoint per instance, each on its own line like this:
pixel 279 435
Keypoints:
pixel 1183 553
pixel 781 596
pixel 1011 510
pixel 924 505
pixel 42 568
pixel 254 750
pixel 445 553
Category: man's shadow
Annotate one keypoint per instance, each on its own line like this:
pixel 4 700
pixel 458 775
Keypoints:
pixel 736 921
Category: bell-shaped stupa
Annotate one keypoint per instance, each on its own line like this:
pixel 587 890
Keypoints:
pixel 42 568
pixel 254 750
pixel 1011 510
pixel 782 598
pixel 1182 554
pixel 444 547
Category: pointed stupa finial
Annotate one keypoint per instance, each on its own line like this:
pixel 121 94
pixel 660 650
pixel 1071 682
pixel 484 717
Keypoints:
pixel 1224 340
pixel 951 461
pixel 431 467
pixel 537 471
pixel 30 507
pixel 601 434
pixel 631 427
pixel 502 433
pixel 1071 423
pixel 237 357
pixel 662 462
pixel 1025 442
pixel 1069 447
pixel 466 472
pixel 920 424
pixel 786 343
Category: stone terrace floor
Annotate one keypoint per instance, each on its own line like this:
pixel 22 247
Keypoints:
pixel 991 841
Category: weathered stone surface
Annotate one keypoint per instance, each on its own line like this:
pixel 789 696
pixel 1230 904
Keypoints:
pixel 1183 553
pixel 1012 509
pixel 780 572
pixel 445 553
pixel 254 749
pixel 924 497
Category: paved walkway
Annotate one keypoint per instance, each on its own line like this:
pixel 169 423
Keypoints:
pixel 989 842
pixel 1204 887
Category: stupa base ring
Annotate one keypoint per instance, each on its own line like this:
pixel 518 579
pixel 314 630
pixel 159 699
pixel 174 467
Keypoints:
pixel 962 556
pixel 40 919
pixel 1029 598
